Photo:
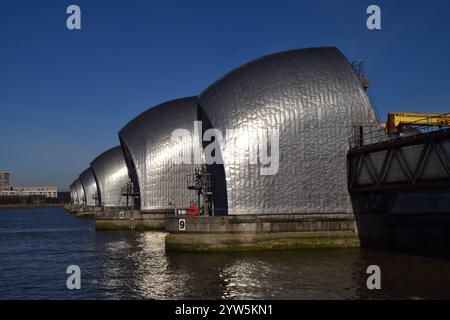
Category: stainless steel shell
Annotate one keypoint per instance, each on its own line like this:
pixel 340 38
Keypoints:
pixel 80 193
pixel 73 194
pixel 111 174
pixel 90 186
pixel 150 151
pixel 314 99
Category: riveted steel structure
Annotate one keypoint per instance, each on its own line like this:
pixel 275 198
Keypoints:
pixel 90 187
pixel 111 175
pixel 314 101
pixel 81 197
pixel 150 154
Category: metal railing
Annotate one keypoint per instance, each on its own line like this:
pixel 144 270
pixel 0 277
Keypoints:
pixel 363 137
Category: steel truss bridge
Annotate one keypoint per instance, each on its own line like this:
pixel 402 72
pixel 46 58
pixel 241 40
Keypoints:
pixel 417 161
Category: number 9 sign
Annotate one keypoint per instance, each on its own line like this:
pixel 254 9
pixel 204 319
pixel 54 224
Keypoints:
pixel 182 224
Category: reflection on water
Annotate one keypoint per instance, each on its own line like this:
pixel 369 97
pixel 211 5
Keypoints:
pixel 153 277
pixel 243 278
pixel 36 246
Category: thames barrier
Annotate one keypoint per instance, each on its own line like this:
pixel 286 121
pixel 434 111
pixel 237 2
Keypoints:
pixel 285 151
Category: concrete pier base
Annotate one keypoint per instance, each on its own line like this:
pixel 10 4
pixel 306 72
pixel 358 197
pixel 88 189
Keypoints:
pixel 85 214
pixel 71 208
pixel 128 220
pixel 262 232
pixel 82 211
pixel 261 241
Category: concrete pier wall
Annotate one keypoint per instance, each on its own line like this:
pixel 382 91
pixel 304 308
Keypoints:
pixel 233 233
pixel 129 220
pixel 262 232
pixel 263 223
pixel 82 211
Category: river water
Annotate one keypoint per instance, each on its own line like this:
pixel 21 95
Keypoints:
pixel 37 246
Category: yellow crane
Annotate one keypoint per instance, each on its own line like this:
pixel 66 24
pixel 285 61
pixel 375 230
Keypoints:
pixel 396 119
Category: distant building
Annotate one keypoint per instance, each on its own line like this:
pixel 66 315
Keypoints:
pixel 7 190
pixel 5 180
pixel 49 192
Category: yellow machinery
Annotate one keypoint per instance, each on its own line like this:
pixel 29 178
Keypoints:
pixel 396 119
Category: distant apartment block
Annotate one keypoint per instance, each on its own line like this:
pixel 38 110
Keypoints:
pixel 5 180
pixel 7 190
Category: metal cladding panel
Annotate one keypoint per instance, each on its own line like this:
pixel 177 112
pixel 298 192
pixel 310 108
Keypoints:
pixel 76 199
pixel 90 186
pixel 314 99
pixel 111 174
pixel 73 194
pixel 148 141
pixel 80 192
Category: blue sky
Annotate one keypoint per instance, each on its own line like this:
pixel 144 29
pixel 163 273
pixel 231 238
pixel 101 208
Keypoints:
pixel 65 94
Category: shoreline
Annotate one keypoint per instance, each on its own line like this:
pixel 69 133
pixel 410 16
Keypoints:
pixel 31 206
